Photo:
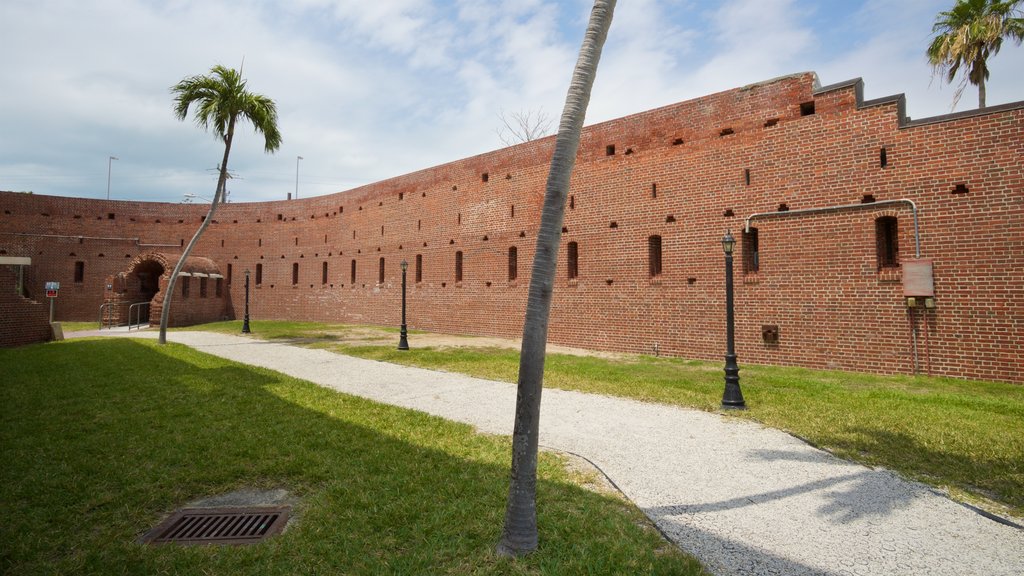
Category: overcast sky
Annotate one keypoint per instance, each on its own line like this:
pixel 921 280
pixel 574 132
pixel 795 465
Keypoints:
pixel 371 90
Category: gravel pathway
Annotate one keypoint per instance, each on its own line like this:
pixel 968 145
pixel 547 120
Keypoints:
pixel 743 498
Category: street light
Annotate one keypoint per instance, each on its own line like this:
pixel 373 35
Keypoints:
pixel 245 322
pixel 403 342
pixel 297 158
pixel 110 161
pixel 732 399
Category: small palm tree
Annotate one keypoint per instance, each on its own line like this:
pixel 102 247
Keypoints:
pixel 519 535
pixel 221 100
pixel 968 35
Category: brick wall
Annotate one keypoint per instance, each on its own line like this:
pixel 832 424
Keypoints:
pixel 686 173
pixel 22 321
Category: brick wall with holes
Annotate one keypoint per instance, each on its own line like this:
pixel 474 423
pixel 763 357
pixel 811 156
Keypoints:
pixel 826 290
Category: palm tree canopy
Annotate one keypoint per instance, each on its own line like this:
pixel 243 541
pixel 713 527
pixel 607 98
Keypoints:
pixel 969 34
pixel 221 97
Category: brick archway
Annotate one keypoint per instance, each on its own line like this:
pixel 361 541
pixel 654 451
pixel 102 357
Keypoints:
pixel 145 280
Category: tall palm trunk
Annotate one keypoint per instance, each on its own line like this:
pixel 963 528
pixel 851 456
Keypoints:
pixel 222 180
pixel 981 93
pixel 520 532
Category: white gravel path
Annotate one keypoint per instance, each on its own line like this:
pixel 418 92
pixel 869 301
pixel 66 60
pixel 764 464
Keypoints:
pixel 743 498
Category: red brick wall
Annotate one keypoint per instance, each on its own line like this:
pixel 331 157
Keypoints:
pixel 818 280
pixel 22 321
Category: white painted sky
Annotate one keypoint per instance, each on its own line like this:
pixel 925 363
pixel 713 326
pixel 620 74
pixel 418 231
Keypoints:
pixel 371 90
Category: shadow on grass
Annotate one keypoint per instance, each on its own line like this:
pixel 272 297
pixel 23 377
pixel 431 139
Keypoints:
pixel 101 438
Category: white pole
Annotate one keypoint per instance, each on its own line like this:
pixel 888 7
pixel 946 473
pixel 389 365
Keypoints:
pixel 297 158
pixel 110 161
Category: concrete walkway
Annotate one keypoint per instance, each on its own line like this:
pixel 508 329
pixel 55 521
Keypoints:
pixel 743 498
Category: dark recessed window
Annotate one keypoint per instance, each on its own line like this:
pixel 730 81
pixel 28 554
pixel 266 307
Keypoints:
pixel 380 271
pixel 654 255
pixel 513 263
pixel 202 287
pixel 185 286
pixel 323 274
pixel 259 274
pixel 573 260
pixel 807 108
pixel 751 256
pixel 352 273
pixel 419 268
pixel 458 266
pixel 887 242
pixel 80 271
pixel 229 274
pixel 295 273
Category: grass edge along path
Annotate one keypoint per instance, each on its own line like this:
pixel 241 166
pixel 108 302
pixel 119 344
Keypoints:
pixel 102 437
pixel 962 436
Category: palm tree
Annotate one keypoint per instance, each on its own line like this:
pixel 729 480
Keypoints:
pixel 220 99
pixel 519 535
pixel 970 33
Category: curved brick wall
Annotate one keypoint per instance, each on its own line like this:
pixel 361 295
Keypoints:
pixel 686 173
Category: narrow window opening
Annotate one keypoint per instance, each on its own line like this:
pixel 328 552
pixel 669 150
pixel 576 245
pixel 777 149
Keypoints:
pixel 460 218
pixel 79 271
pixel 110 216
pixel 751 255
pixel 867 199
pixel 229 273
pixel 629 151
pixel 485 177
pixel 726 132
pixel 458 266
pixel 961 189
pixel 677 142
pixel 323 274
pixel 887 242
pixel 419 268
pixel 352 273
pixel 203 287
pixel 746 176
pixel 572 202
pixel 296 240
pixel 883 158
pixel 513 211
pixel 401 196
pixel 353 234
pixel 771 122
pixel 728 213
pixel 613 224
pixel 565 229
pixel 609 150
pixel 654 190
pixel 295 273
pixel 280 216
pixel 185 286
pixel 222 243
pixel 381 229
pixel 807 108
pixel 513 263
pixel 670 218
pixel 419 224
pixel 218 288
pixel 380 270
pixel 259 274
pixel 573 260
pixel 259 242
pixel 783 207
pixel 654 256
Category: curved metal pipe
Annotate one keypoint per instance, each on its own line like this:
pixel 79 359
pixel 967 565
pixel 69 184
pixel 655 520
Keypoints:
pixel 913 207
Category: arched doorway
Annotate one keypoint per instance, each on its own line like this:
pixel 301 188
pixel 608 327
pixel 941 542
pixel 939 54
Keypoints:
pixel 148 273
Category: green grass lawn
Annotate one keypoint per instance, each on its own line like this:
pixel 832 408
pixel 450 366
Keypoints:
pixel 79 326
pixel 964 436
pixel 101 438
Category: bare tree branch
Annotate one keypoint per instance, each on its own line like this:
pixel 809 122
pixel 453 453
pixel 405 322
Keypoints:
pixel 523 126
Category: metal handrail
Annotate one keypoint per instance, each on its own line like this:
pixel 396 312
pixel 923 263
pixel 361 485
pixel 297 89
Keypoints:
pixel 108 319
pixel 106 305
pixel 136 306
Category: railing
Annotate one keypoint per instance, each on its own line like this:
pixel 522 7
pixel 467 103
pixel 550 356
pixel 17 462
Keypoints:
pixel 108 315
pixel 138 307
pixel 107 320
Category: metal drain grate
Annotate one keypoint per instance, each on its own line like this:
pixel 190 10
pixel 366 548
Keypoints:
pixel 219 525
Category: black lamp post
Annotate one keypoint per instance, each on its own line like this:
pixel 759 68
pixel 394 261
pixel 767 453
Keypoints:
pixel 403 342
pixel 245 322
pixel 732 399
